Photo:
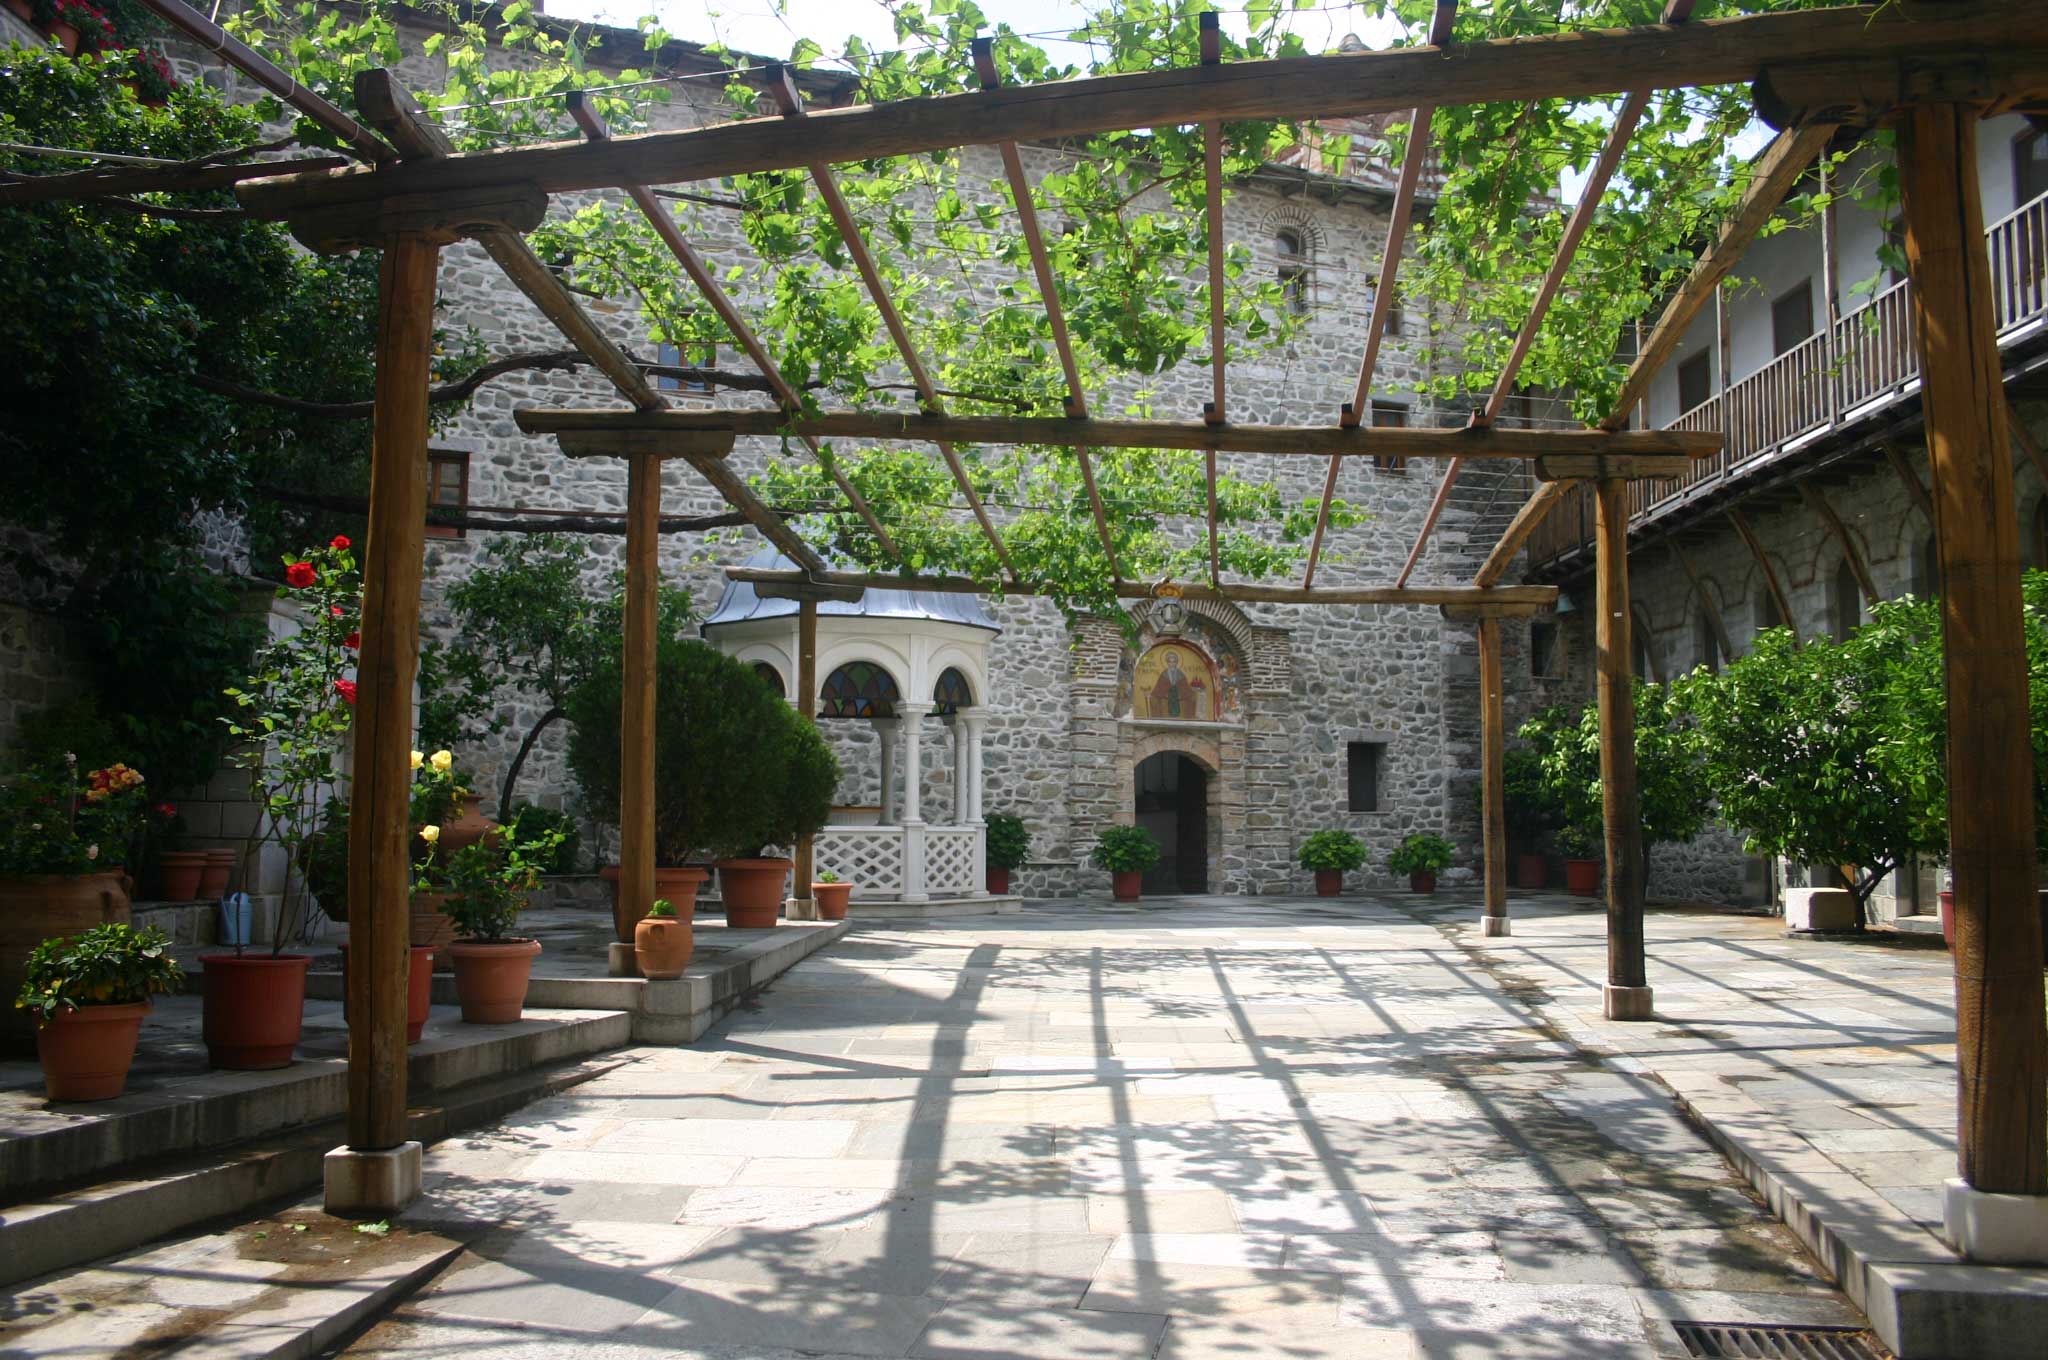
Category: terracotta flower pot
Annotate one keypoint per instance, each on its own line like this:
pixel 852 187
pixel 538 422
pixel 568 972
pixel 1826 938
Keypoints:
pixel 662 946
pixel 419 990
pixel 1329 882
pixel 679 884
pixel 1531 871
pixel 86 1051
pixel 178 874
pixel 832 899
pixel 66 37
pixel 752 889
pixel 1422 881
pixel 37 907
pixel 1126 884
pixel 467 827
pixel 213 881
pixel 998 882
pixel 1582 877
pixel 491 979
pixel 431 928
pixel 255 1007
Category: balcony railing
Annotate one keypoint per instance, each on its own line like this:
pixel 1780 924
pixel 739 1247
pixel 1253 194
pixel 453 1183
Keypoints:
pixel 1868 359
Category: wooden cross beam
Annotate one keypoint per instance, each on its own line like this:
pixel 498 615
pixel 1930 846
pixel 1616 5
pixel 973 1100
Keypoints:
pixel 1503 599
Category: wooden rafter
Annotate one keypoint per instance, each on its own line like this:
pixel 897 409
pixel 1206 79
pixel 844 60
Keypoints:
pixel 1632 109
pixel 166 179
pixel 1309 441
pixel 664 225
pixel 1524 524
pixel 1216 412
pixel 782 88
pixel 1915 488
pixel 1852 552
pixel 1049 293
pixel 1776 587
pixel 1358 410
pixel 1565 65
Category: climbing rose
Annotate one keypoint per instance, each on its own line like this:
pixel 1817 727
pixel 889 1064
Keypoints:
pixel 338 542
pixel 299 575
pixel 442 760
pixel 430 834
pixel 346 689
pixel 335 610
pixel 354 639
pixel 418 760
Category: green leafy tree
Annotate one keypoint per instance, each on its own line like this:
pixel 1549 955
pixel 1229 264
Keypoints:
pixel 1674 801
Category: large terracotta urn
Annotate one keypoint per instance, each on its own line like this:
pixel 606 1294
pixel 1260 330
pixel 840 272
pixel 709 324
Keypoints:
pixel 662 946
pixel 255 1008
pixel 678 883
pixel 752 889
pixel 432 928
pixel 467 827
pixel 491 979
pixel 38 907
pixel 86 1051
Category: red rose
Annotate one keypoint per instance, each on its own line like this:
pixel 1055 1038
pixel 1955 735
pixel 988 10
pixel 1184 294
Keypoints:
pixel 299 575
pixel 347 690
pixel 353 640
pixel 166 809
pixel 338 542
pixel 335 610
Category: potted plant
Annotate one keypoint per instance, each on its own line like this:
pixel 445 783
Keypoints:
pixel 57 844
pixel 1009 845
pixel 736 769
pixel 1331 854
pixel 294 714
pixel 831 895
pixel 662 945
pixel 487 885
pixel 88 995
pixel 1126 852
pixel 1531 809
pixel 1580 846
pixel 1421 855
pixel 531 822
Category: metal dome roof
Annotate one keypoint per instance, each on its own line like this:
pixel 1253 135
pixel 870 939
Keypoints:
pixel 741 603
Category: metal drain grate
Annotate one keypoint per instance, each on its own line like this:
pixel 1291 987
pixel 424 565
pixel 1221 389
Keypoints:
pixel 1767 1341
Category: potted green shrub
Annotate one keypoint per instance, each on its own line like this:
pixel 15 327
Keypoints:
pixel 1532 812
pixel 1331 854
pixel 1008 846
pixel 1580 846
pixel 88 994
pixel 736 769
pixel 832 895
pixel 487 885
pixel 1421 855
pixel 530 822
pixel 1126 852
pixel 662 944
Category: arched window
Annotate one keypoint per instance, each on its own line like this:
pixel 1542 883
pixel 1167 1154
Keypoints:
pixel 1292 251
pixel 859 689
pixel 951 694
pixel 771 678
pixel 1846 598
pixel 1706 644
pixel 1767 615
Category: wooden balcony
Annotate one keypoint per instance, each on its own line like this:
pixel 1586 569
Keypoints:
pixel 1838 378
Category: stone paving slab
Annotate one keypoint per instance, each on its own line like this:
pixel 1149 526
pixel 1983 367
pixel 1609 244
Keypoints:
pixel 1219 1127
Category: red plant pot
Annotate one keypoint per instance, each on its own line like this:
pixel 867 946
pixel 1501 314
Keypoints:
pixel 662 947
pixel 1126 884
pixel 832 899
pixel 1582 877
pixel 491 979
pixel 1422 881
pixel 679 884
pixel 66 36
pixel 998 882
pixel 179 873
pixel 86 1051
pixel 752 889
pixel 213 879
pixel 1531 871
pixel 419 989
pixel 1329 882
pixel 255 1007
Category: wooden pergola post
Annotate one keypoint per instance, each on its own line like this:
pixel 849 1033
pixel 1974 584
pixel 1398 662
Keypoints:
pixel 803 906
pixel 636 701
pixel 1997 1209
pixel 378 1172
pixel 1628 991
pixel 1493 793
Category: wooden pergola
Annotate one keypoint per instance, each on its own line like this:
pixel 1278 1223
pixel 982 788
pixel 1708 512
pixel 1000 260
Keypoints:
pixel 1928 69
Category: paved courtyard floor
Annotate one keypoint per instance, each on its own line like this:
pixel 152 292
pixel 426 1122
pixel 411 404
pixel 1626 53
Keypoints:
pixel 1215 1127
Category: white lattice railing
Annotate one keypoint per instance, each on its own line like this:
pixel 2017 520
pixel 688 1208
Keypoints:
pixel 949 861
pixel 893 862
pixel 869 857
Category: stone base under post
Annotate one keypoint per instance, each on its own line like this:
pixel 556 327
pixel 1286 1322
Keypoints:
pixel 2004 1230
pixel 1627 1003
pixel 800 909
pixel 1494 926
pixel 619 960
pixel 371 1184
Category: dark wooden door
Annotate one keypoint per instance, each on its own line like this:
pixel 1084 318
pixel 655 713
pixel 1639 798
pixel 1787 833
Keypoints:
pixel 1172 795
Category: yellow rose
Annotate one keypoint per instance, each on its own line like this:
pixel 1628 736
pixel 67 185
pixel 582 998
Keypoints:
pixel 442 760
pixel 418 760
pixel 430 834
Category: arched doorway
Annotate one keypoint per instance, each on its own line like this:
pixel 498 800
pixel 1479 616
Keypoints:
pixel 1172 793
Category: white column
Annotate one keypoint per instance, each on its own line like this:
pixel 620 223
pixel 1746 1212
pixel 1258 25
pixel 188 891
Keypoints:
pixel 962 770
pixel 912 716
pixel 970 787
pixel 885 731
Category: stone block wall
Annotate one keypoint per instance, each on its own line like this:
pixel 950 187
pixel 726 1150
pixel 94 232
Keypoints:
pixel 40 665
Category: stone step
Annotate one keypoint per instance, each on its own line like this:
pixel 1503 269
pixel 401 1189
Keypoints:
pixel 284 1288
pixel 94 1221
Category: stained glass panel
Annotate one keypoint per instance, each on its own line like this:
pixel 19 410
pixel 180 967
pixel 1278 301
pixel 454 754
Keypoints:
pixel 951 694
pixel 859 689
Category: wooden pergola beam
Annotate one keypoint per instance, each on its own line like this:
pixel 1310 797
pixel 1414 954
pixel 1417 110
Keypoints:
pixel 1533 512
pixel 1316 441
pixel 1564 65
pixel 714 294
pixel 163 179
pixel 1358 411
pixel 1502 599
pixel 1216 412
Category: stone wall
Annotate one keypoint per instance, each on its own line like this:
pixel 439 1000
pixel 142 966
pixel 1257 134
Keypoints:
pixel 40 665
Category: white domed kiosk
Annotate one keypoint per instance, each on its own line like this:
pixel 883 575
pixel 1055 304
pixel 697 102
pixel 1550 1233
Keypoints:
pixel 891 659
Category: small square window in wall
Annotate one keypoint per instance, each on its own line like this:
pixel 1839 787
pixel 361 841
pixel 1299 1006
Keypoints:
pixel 447 488
pixel 1362 762
pixel 1387 415
pixel 1543 651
